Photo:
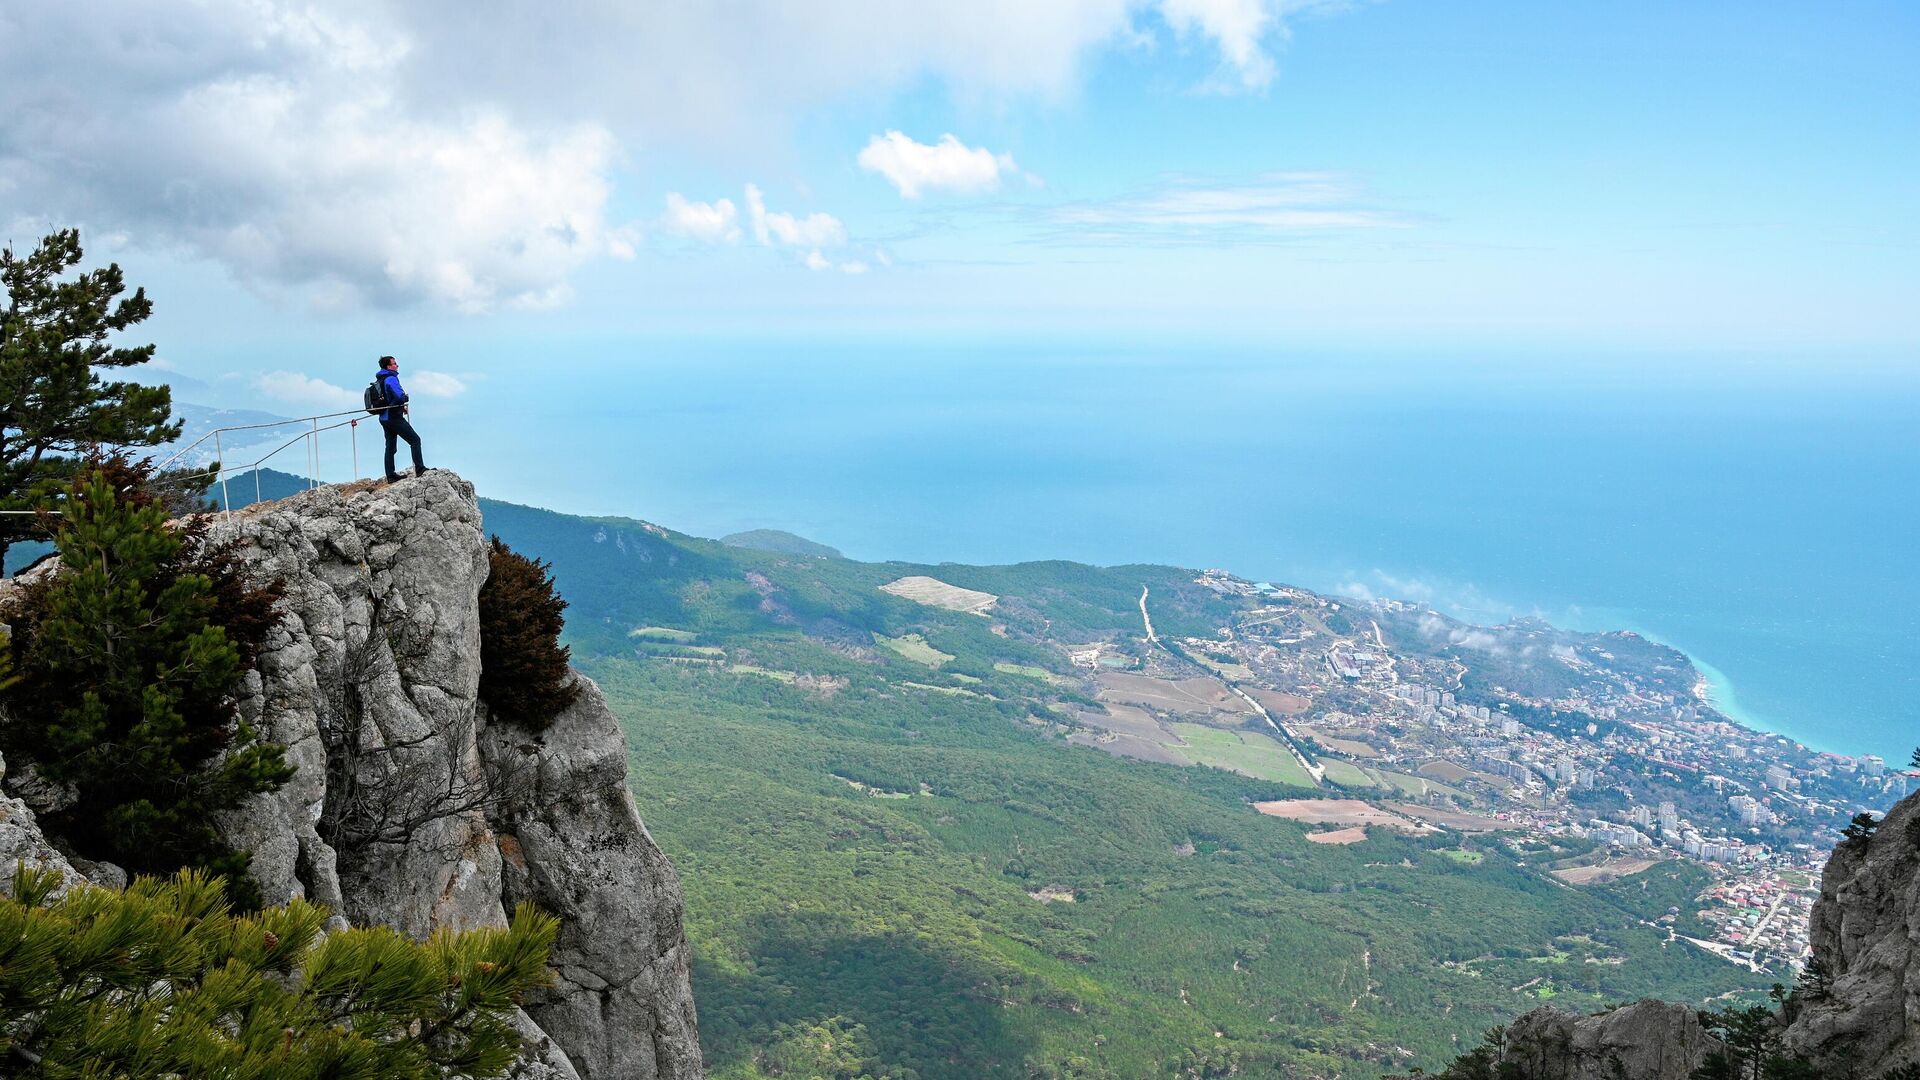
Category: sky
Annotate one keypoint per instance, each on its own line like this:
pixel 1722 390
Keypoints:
pixel 488 188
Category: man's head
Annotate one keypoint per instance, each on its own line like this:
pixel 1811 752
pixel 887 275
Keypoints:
pixel 389 363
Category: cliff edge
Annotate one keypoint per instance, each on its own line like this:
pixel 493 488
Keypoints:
pixel 412 807
pixel 1866 933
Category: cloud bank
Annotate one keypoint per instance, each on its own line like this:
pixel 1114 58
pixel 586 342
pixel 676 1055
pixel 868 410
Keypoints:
pixel 390 153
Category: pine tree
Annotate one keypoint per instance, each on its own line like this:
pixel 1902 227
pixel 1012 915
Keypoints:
pixel 1815 982
pixel 53 403
pixel 128 659
pixel 162 980
pixel 1859 832
pixel 523 667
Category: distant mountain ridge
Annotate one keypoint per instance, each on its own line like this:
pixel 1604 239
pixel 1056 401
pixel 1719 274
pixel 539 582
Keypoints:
pixel 781 542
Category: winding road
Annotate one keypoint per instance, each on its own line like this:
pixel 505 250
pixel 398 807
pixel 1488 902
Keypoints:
pixel 1287 738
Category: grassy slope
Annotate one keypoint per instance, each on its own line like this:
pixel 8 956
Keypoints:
pixel 808 899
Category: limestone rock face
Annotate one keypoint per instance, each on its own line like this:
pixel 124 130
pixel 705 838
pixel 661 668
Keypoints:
pixel 405 797
pixel 1866 930
pixel 21 841
pixel 573 843
pixel 371 682
pixel 1648 1040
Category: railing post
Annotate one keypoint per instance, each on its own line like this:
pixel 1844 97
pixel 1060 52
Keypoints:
pixel 220 462
pixel 353 436
pixel 315 475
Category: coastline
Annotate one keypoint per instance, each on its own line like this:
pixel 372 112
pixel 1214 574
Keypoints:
pixel 1714 686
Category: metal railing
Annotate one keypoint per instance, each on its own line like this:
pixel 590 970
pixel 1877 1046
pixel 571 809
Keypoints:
pixel 222 471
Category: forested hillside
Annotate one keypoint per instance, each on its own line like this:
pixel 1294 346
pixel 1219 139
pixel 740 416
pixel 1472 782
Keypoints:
pixel 895 865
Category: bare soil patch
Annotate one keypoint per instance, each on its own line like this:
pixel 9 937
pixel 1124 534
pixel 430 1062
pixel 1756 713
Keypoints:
pixel 1605 872
pixel 1129 746
pixel 1188 696
pixel 1452 819
pixel 936 593
pixel 1343 812
pixel 1349 747
pixel 1352 835
pixel 1445 770
pixel 1126 720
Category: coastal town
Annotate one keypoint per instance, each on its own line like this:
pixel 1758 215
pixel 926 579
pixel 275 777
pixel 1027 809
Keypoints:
pixel 1605 741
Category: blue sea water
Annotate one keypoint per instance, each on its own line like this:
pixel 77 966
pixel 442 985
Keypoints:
pixel 1761 515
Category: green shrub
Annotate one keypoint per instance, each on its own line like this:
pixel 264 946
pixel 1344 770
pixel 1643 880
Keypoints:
pixel 162 980
pixel 128 659
pixel 524 676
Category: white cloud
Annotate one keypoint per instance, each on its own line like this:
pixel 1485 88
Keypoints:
pixel 305 392
pixel 854 266
pixel 814 230
pixel 716 222
pixel 435 384
pixel 397 152
pixel 1241 31
pixel 1279 204
pixel 273 139
pixel 949 165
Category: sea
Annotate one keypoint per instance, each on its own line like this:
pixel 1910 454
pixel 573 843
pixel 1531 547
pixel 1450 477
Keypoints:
pixel 1761 514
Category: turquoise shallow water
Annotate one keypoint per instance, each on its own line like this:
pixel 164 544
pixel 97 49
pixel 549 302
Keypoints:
pixel 1762 520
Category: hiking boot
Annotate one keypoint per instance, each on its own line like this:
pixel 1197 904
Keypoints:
pixel 393 478
pixel 419 470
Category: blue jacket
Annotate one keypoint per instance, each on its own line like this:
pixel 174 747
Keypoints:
pixel 396 397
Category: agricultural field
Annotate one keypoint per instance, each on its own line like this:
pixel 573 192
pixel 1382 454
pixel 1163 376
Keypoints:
pixel 1352 834
pixel 936 593
pixel 1126 720
pixel 1346 813
pixel 1246 752
pixel 777 676
pixel 1349 747
pixel 1193 697
pixel 1348 775
pixel 662 633
pixel 1605 871
pixel 1457 820
pixel 1136 747
pixel 1032 672
pixel 915 648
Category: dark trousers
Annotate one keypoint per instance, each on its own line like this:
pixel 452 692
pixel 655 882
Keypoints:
pixel 397 428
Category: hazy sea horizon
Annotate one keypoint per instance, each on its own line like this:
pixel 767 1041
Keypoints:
pixel 1757 516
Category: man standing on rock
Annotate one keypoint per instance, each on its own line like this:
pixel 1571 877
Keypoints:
pixel 393 418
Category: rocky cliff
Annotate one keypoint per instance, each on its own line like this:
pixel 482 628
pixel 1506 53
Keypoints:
pixel 1648 1040
pixel 1866 932
pixel 1863 1026
pixel 412 808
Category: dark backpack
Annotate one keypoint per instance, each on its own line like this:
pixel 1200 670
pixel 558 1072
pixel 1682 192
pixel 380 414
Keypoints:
pixel 375 398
